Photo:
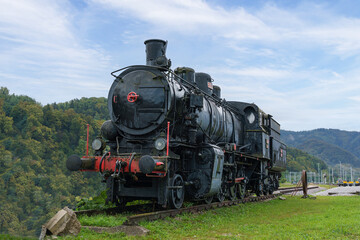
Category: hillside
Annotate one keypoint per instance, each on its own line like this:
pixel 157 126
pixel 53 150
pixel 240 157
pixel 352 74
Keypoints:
pixel 94 107
pixel 331 145
pixel 298 160
pixel 35 142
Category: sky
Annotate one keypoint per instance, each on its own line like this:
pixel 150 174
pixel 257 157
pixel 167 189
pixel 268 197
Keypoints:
pixel 297 60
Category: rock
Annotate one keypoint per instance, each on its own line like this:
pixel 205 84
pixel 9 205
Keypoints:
pixel 43 232
pixel 63 223
pixel 282 198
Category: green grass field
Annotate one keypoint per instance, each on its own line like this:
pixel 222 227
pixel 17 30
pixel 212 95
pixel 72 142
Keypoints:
pixel 293 218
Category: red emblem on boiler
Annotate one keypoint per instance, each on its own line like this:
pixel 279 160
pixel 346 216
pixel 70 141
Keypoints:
pixel 132 97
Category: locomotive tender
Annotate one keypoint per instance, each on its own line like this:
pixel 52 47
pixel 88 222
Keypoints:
pixel 171 137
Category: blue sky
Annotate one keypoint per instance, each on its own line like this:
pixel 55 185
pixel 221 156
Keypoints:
pixel 297 60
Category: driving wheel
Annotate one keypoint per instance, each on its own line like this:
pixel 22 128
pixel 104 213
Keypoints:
pixel 176 191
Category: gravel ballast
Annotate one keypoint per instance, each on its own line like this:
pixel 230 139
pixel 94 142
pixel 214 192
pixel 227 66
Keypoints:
pixel 340 191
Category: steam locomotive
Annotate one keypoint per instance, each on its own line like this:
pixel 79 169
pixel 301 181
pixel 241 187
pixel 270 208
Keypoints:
pixel 172 138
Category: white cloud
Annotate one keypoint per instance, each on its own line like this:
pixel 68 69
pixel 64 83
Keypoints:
pixel 256 72
pixel 327 101
pixel 269 25
pixel 192 17
pixel 35 22
pixel 355 98
pixel 40 45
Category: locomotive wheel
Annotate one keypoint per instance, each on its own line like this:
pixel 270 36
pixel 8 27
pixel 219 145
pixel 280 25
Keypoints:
pixel 271 190
pixel 266 191
pixel 259 189
pixel 176 194
pixel 271 185
pixel 233 192
pixel 209 200
pixel 241 190
pixel 221 195
pixel 120 202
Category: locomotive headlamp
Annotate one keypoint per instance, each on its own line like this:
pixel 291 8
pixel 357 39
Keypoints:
pixel 98 144
pixel 160 143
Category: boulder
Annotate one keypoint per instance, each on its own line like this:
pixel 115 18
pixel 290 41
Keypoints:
pixel 63 223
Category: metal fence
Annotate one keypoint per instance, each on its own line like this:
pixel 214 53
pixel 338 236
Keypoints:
pixel 323 177
pixel 294 177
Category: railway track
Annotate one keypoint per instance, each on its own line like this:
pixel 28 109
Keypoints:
pixel 132 220
pixel 294 189
pixel 154 215
pixel 139 208
pixel 148 211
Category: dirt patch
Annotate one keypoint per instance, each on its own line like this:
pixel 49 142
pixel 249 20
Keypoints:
pixel 133 230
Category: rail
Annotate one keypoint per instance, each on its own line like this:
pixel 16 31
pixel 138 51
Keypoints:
pixel 141 214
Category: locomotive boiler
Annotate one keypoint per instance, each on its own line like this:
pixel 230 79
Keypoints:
pixel 172 137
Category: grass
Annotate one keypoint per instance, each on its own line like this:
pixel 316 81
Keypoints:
pixel 102 220
pixel 327 186
pixel 10 237
pixel 286 184
pixel 294 218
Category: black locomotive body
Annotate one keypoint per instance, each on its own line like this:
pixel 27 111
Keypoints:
pixel 171 137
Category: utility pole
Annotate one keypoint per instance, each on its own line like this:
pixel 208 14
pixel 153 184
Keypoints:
pixel 332 175
pixel 321 176
pixel 355 176
pixel 351 178
pixel 319 172
pixel 340 172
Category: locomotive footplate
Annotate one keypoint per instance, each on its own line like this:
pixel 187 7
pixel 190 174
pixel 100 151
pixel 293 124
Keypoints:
pixel 152 166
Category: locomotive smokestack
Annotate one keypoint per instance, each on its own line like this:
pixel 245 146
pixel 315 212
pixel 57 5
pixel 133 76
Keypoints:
pixel 156 53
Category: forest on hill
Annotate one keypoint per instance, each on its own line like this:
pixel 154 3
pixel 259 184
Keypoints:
pixel 298 160
pixel 35 142
pixel 331 145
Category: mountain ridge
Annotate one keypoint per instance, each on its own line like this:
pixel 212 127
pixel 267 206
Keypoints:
pixel 331 145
